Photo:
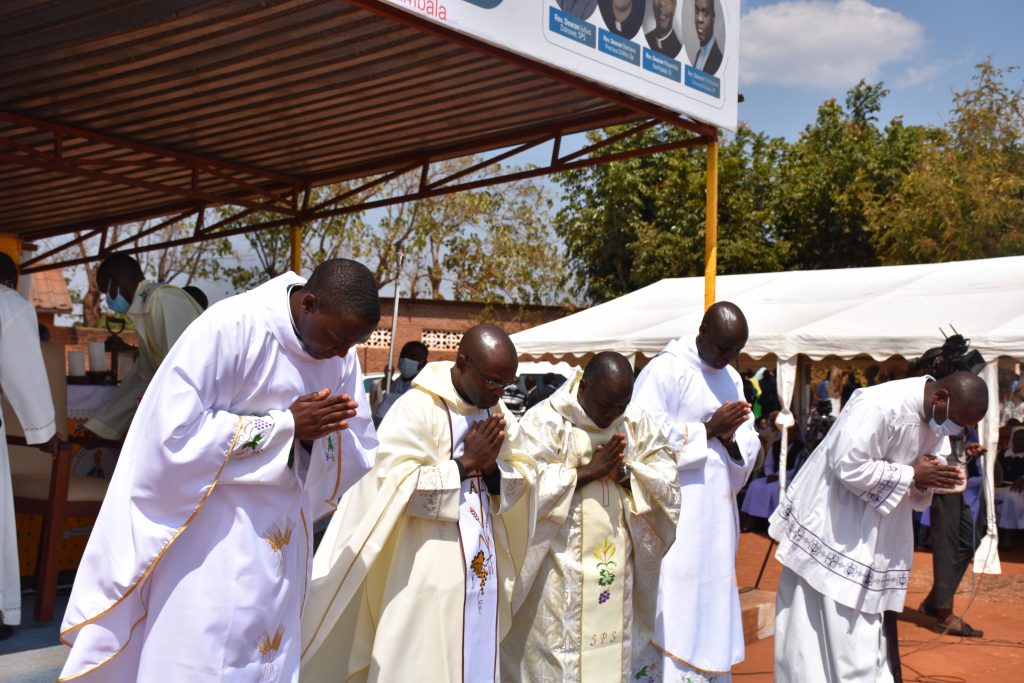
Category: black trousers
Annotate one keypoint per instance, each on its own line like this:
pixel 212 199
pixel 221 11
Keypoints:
pixel 954 541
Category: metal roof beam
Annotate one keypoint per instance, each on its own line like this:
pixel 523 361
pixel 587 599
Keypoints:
pixel 187 159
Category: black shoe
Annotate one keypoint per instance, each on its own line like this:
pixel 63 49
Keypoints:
pixel 6 631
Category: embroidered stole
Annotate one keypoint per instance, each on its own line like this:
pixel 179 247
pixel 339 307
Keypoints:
pixel 603 558
pixel 480 566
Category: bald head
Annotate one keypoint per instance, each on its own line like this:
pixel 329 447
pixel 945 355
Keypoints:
pixel 961 397
pixel 722 335
pixel 488 340
pixel 485 365
pixel 606 388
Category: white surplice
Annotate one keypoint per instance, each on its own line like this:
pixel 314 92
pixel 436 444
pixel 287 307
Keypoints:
pixel 392 593
pixel 575 619
pixel 844 524
pixel 199 563
pixel 699 628
pixel 26 387
pixel 160 314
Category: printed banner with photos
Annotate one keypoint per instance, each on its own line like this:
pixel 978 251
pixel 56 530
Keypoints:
pixel 680 54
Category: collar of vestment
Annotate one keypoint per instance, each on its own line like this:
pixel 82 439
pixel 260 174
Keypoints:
pixel 436 379
pixel 566 403
pixel 687 351
pixel 275 306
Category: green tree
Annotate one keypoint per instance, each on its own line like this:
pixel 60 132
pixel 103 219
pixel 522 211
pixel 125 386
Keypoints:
pixel 633 222
pixel 491 245
pixel 834 172
pixel 964 196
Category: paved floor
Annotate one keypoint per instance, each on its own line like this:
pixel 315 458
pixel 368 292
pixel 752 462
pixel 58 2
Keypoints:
pixel 992 603
pixel 34 653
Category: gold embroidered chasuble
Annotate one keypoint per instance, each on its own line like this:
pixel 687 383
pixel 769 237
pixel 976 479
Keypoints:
pixel 587 594
pixel 389 580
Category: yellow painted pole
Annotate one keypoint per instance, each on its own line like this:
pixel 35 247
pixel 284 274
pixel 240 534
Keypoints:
pixel 11 245
pixel 711 226
pixel 296 248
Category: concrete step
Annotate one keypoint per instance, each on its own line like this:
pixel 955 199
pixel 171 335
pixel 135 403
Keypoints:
pixel 33 666
pixel 758 610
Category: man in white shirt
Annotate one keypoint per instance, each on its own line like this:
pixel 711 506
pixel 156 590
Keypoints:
pixel 24 383
pixel 844 526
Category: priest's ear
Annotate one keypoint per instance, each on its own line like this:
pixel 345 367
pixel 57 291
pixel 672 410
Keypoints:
pixel 308 302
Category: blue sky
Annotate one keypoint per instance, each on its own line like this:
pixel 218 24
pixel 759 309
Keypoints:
pixel 797 53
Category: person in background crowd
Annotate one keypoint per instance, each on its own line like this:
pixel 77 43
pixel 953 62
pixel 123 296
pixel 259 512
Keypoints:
pixel 411 359
pixel 160 314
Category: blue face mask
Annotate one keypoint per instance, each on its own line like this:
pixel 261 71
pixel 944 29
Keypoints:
pixel 118 304
pixel 947 428
pixel 408 368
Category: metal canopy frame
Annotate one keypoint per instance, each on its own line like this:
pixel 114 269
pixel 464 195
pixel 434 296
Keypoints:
pixel 180 184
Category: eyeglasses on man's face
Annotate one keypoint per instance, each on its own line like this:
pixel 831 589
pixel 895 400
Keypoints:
pixel 489 382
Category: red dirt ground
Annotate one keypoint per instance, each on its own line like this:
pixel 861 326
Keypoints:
pixel 997 608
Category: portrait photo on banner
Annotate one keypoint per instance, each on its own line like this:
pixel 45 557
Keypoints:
pixel 623 17
pixel 703 28
pixel 663 26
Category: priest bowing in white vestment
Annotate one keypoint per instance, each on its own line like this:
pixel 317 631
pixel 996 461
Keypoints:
pixel 200 559
pixel 413 578
pixel 844 528
pixel 691 390
pixel 607 497
pixel 25 386
pixel 160 313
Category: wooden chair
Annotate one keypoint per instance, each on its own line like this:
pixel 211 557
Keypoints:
pixel 55 496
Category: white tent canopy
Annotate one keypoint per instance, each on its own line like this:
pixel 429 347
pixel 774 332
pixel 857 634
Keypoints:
pixel 881 312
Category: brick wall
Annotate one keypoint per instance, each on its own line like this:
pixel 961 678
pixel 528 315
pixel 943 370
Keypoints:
pixel 439 324
pixel 428 320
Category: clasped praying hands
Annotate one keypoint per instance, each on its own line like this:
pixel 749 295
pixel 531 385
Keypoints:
pixel 318 414
pixel 483 443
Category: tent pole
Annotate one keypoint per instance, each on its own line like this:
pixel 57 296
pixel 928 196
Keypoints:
pixel 711 226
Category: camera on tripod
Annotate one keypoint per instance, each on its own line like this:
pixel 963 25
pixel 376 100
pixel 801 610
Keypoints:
pixel 954 355
pixel 819 426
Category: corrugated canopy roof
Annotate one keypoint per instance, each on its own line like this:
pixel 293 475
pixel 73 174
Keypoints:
pixel 118 111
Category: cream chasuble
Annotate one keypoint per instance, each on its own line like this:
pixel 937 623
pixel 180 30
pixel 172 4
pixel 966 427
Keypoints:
pixel 396 581
pixel 699 629
pixel 26 387
pixel 160 314
pixel 200 559
pixel 586 596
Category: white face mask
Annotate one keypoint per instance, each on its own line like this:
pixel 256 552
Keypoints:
pixel 947 428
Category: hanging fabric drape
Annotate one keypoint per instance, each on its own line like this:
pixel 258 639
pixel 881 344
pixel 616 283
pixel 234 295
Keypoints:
pixel 785 382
